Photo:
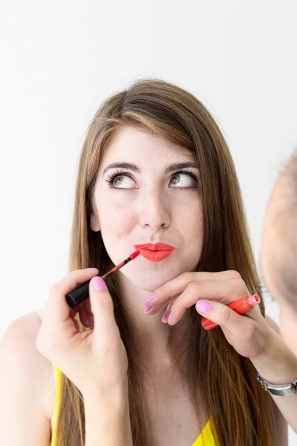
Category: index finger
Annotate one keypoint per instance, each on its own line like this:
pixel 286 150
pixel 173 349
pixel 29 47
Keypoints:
pixel 168 292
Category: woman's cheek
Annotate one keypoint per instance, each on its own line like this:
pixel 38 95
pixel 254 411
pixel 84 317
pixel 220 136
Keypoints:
pixel 114 212
pixel 116 225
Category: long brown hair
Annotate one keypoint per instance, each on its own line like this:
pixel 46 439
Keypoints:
pixel 241 411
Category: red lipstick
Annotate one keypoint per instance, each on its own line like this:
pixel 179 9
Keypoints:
pixel 155 252
pixel 240 306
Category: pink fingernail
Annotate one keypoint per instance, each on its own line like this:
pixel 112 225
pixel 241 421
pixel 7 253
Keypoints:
pixel 149 298
pixel 147 309
pixel 170 319
pixel 165 316
pixel 98 284
pixel 91 268
pixel 89 320
pixel 202 306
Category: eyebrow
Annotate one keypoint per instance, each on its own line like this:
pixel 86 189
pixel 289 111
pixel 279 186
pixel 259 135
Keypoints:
pixel 128 166
pixel 171 168
pixel 178 166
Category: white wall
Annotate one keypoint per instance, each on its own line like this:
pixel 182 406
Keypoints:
pixel 59 59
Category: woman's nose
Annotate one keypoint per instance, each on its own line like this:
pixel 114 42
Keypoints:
pixel 155 211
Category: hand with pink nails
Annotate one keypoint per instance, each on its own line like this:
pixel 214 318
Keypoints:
pixel 80 354
pixel 211 293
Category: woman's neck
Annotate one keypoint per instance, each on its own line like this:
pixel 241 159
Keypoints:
pixel 156 342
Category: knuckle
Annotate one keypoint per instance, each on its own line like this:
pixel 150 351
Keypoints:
pixel 104 306
pixel 54 289
pixel 233 274
pixel 239 285
pixel 73 274
pixel 57 288
pixel 194 288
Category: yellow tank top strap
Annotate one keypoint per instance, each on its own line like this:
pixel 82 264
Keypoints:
pixel 207 437
pixel 58 399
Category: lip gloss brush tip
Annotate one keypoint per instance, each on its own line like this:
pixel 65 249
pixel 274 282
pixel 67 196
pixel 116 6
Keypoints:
pixel 135 254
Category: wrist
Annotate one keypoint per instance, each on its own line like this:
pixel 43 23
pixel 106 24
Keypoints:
pixel 288 389
pixel 107 419
pixel 113 400
pixel 276 363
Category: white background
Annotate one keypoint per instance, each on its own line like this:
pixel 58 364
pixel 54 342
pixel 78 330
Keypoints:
pixel 60 59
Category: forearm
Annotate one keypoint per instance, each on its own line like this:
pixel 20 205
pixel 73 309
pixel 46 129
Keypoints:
pixel 278 365
pixel 108 423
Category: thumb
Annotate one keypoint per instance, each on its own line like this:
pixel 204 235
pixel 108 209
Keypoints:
pixel 101 307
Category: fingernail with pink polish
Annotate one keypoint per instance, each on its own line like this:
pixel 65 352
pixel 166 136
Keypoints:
pixel 165 316
pixel 147 309
pixel 170 319
pixel 202 306
pixel 149 298
pixel 98 284
pixel 91 269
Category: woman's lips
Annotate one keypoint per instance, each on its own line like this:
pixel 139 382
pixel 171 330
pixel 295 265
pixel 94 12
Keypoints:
pixel 155 252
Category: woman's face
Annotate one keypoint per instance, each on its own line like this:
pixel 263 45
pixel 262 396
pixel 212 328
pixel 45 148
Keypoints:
pixel 147 192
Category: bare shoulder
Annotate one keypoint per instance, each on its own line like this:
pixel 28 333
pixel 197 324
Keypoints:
pixel 26 381
pixel 27 325
pixel 18 351
pixel 19 343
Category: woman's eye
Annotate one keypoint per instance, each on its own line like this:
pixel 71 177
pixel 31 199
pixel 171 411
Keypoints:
pixel 123 182
pixel 182 180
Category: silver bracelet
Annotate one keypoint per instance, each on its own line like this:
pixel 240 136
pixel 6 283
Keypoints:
pixel 278 389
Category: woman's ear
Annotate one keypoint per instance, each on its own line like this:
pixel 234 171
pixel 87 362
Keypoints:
pixel 94 223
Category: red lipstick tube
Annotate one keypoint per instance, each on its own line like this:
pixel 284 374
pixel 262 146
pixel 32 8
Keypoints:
pixel 240 306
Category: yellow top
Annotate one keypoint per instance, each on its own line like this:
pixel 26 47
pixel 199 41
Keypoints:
pixel 58 379
pixel 206 438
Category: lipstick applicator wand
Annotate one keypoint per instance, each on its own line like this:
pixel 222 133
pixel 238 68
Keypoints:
pixel 81 293
pixel 240 306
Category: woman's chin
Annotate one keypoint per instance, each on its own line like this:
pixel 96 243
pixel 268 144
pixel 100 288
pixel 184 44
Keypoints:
pixel 151 282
